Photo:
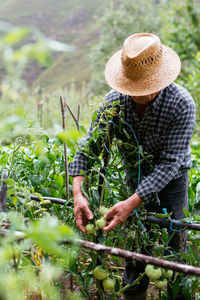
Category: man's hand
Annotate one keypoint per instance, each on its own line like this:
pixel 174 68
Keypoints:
pixel 120 211
pixel 82 211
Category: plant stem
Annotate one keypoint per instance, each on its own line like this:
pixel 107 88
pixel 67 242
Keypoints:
pixel 126 287
pixel 168 241
pixel 102 193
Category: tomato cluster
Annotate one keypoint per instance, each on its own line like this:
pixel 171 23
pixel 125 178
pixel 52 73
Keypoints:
pixel 158 275
pixel 102 274
pixel 100 223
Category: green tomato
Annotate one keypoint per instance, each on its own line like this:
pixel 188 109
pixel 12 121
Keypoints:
pixel 168 273
pixel 161 283
pixel 103 210
pixel 100 273
pixel 101 222
pixel 90 228
pixel 108 283
pixel 153 272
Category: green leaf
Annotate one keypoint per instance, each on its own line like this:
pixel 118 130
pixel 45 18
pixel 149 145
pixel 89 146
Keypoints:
pixel 186 212
pixel 16 35
pixel 82 128
pixel 59 181
pixel 95 133
pixel 94 117
pixel 88 283
pixel 47 233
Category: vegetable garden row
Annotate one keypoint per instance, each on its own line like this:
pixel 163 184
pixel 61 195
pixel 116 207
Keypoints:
pixel 38 230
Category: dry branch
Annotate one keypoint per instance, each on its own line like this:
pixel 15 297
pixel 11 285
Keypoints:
pixel 178 267
pixel 19 235
pixel 3 194
pixel 164 222
pixel 51 199
pixel 167 222
pixel 63 109
pixel 76 120
pixel 175 266
pixel 78 114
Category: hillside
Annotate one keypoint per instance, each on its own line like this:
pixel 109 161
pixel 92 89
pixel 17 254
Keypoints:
pixel 67 21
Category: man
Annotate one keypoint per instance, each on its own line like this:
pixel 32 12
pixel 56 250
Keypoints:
pixel 162 115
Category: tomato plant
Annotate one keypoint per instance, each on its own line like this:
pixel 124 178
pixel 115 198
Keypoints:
pixel 32 171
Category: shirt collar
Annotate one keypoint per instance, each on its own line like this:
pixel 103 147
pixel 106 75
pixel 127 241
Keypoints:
pixel 154 104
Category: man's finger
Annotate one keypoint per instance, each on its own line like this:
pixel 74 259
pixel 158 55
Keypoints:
pixel 110 214
pixel 111 225
pixel 88 213
pixel 79 223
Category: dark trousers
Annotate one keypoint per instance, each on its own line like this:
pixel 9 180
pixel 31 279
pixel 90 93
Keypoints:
pixel 174 198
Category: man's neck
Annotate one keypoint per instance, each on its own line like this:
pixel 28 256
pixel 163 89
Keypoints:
pixel 140 109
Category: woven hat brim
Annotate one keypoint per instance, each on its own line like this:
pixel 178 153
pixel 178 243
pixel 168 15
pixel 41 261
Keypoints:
pixel 168 71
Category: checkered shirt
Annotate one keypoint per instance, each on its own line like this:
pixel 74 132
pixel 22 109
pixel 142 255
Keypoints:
pixel 164 131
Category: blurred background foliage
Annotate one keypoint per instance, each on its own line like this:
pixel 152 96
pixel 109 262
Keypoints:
pixel 35 71
pixel 38 74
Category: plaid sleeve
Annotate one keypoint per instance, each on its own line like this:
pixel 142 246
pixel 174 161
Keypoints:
pixel 80 163
pixel 176 148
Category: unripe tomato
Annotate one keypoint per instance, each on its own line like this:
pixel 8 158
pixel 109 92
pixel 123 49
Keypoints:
pixel 90 228
pixel 108 283
pixel 161 283
pixel 153 272
pixel 168 273
pixel 100 273
pixel 103 210
pixel 101 222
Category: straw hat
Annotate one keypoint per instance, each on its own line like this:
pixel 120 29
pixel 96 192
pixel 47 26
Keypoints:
pixel 143 66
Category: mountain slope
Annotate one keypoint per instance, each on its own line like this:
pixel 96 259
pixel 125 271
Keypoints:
pixel 67 21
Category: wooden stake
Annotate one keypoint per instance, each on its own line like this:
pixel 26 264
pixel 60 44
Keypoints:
pixel 166 264
pixel 164 222
pixel 76 120
pixel 3 194
pixel 63 109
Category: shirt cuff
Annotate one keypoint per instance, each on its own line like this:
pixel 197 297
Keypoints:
pixel 78 166
pixel 146 196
